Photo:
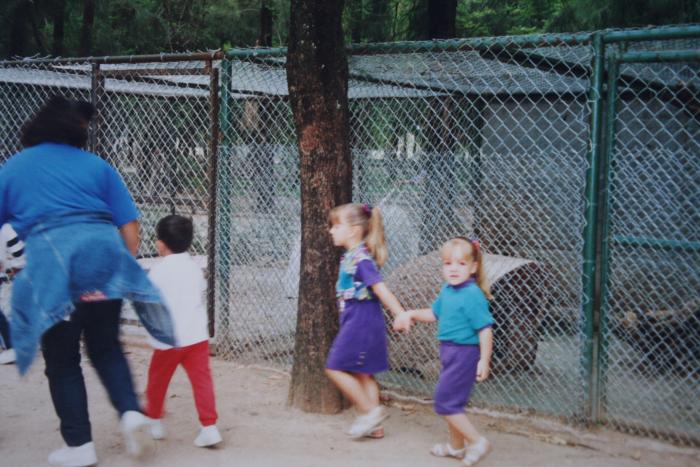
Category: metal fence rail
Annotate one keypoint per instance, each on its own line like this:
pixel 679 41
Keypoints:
pixel 573 157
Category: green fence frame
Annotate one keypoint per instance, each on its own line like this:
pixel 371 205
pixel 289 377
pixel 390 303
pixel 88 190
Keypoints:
pixel 606 168
pixel 596 239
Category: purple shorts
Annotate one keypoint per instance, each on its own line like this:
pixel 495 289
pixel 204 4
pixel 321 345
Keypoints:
pixel 457 377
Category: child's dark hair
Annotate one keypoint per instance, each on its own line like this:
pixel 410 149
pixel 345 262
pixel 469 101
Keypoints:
pixel 176 232
pixel 60 120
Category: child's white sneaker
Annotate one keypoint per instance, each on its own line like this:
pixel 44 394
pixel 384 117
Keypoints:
pixel 8 356
pixel 158 430
pixel 78 456
pixel 133 424
pixel 208 436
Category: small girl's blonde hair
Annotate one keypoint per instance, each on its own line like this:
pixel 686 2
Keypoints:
pixel 469 250
pixel 370 219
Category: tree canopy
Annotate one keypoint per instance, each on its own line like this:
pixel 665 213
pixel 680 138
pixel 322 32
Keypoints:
pixel 122 27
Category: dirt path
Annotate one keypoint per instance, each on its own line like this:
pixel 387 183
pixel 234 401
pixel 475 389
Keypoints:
pixel 259 430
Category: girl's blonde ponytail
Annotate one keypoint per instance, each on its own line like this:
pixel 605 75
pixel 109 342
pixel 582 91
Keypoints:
pixel 480 274
pixel 374 239
pixel 370 219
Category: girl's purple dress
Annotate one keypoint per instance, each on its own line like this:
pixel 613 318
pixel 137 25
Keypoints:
pixel 361 343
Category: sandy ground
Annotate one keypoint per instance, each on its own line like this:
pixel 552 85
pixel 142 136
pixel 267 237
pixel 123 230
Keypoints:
pixel 259 430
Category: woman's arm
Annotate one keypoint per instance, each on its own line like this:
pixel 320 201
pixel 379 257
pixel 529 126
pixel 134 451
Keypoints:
pixel 131 236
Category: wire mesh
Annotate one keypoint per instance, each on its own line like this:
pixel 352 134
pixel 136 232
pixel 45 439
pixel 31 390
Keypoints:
pixel 489 139
pixel 651 349
pixel 486 136
pixel 152 124
pixel 25 88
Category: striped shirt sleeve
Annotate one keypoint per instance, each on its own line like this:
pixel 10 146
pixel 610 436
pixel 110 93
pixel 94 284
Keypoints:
pixel 14 248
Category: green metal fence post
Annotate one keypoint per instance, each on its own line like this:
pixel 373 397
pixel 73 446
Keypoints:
pixel 607 161
pixel 223 231
pixel 591 410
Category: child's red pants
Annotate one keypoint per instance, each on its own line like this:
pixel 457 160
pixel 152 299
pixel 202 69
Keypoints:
pixel 195 360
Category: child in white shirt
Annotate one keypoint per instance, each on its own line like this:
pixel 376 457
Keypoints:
pixel 182 285
pixel 11 261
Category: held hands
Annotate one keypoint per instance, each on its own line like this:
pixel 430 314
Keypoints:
pixel 403 322
pixel 483 369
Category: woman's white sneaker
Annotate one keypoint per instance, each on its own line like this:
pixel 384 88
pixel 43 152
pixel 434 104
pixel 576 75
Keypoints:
pixel 208 436
pixel 78 456
pixel 158 430
pixel 133 424
pixel 8 356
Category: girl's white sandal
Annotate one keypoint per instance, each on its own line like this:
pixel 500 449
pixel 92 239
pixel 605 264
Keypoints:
pixel 445 450
pixel 476 452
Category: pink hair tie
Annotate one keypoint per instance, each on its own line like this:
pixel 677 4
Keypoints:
pixel 367 209
pixel 476 244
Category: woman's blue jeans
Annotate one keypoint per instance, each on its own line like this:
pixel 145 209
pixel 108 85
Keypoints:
pixel 99 323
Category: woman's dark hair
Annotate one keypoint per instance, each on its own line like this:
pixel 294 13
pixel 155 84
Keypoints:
pixel 176 232
pixel 60 120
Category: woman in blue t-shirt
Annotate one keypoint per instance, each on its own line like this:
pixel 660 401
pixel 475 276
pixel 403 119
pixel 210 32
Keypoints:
pixel 466 341
pixel 81 230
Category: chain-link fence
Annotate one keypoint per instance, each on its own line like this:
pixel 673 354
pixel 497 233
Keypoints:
pixel 650 347
pixel 518 140
pixel 154 124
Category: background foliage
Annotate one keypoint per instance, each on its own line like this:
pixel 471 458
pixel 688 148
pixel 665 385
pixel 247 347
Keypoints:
pixel 121 27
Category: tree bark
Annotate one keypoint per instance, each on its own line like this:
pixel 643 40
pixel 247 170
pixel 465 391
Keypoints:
pixel 38 36
pixel 23 17
pixel 317 75
pixel 18 32
pixel 58 27
pixel 442 19
pixel 266 20
pixel 86 30
pixel 355 12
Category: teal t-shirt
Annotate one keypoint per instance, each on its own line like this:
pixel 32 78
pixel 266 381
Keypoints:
pixel 462 311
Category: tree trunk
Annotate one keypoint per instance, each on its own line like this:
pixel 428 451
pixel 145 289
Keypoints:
pixel 58 27
pixel 442 19
pixel 317 76
pixel 38 36
pixel 18 32
pixel 266 19
pixel 86 30
pixel 356 20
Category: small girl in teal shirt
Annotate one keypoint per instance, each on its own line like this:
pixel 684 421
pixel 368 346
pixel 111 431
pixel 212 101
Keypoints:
pixel 466 341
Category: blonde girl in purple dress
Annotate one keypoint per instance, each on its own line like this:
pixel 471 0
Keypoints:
pixel 359 351
pixel 466 342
